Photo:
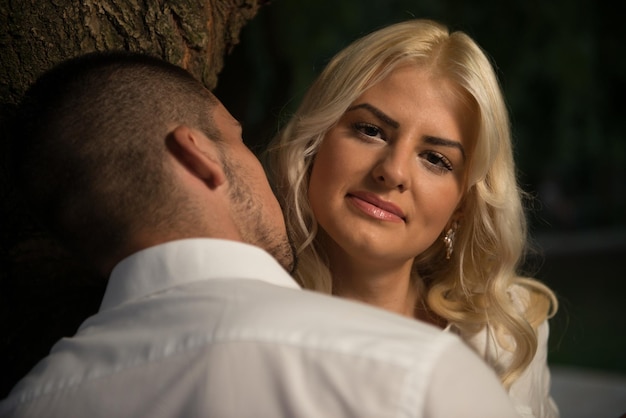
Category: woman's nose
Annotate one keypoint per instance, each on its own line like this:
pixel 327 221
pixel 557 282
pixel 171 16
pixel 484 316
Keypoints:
pixel 392 170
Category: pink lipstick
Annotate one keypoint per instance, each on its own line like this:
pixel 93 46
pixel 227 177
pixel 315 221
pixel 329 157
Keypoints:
pixel 374 206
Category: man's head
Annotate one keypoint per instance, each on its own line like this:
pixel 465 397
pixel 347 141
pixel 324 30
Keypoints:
pixel 119 151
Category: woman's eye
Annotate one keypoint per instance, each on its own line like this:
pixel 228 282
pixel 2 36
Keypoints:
pixel 437 160
pixel 368 130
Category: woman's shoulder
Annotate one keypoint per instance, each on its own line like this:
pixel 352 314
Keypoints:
pixel 533 300
pixel 527 302
pixel 520 296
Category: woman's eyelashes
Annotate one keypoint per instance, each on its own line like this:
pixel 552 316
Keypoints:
pixel 369 131
pixel 434 160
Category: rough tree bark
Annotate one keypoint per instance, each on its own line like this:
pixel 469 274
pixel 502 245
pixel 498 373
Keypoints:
pixel 44 292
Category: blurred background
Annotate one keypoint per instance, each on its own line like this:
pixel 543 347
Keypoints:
pixel 562 66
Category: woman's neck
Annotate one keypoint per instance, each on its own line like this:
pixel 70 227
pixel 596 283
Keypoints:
pixel 389 289
pixel 378 281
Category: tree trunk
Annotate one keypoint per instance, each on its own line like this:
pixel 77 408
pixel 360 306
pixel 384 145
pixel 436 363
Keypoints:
pixel 44 292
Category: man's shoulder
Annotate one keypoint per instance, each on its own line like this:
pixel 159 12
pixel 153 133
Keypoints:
pixel 336 323
pixel 251 331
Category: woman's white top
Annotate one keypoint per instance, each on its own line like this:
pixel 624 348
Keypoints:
pixel 530 393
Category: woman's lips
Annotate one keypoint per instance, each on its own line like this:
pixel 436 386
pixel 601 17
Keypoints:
pixel 374 206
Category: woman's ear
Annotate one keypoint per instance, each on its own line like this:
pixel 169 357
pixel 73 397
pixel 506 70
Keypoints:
pixel 458 215
pixel 459 212
pixel 456 219
pixel 198 154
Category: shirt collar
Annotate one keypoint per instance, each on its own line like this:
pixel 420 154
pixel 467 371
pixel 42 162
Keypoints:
pixel 177 262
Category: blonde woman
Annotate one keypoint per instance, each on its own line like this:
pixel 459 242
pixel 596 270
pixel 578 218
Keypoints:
pixel 397 180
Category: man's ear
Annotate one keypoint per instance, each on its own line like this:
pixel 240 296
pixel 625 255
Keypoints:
pixel 198 154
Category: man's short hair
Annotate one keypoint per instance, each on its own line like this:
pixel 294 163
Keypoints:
pixel 90 145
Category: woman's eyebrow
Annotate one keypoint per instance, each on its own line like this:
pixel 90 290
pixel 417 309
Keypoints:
pixel 376 112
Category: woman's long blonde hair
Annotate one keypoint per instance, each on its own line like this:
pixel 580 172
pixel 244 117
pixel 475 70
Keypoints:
pixel 470 289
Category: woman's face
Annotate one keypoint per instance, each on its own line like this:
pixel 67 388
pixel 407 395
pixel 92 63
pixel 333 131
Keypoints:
pixel 389 176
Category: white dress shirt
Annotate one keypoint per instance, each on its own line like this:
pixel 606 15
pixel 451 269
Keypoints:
pixel 215 328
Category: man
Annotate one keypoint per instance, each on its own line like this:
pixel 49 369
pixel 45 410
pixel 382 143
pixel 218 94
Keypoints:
pixel 143 173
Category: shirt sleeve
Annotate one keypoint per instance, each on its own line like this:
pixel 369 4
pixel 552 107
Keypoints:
pixel 463 385
pixel 531 391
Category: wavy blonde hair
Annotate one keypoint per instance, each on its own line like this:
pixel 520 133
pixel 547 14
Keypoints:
pixel 470 289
